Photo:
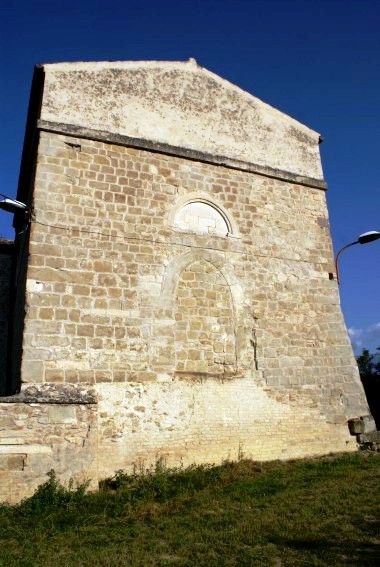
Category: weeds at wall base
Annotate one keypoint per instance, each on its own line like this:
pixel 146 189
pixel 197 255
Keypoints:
pixel 310 512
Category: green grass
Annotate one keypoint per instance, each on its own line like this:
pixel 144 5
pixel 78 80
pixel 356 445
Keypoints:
pixel 321 512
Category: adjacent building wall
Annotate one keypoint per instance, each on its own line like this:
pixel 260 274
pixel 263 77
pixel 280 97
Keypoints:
pixel 6 261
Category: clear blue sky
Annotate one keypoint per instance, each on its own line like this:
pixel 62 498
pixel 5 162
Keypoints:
pixel 318 61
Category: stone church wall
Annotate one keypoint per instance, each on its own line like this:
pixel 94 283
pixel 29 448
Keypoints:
pixel 179 309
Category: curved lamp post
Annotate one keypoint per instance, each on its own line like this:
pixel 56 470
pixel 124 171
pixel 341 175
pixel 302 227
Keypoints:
pixel 364 238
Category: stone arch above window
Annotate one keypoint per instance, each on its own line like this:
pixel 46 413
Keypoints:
pixel 197 213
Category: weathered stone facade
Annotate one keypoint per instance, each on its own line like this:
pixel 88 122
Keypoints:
pixel 180 277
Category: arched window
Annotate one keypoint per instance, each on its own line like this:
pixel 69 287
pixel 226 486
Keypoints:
pixel 195 213
pixel 201 217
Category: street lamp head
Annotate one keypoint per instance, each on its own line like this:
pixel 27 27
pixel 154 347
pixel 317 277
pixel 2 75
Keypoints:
pixel 13 206
pixel 369 236
pixel 364 238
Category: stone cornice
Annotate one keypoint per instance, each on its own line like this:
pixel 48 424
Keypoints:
pixel 112 138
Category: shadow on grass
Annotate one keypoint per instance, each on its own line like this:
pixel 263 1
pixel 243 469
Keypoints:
pixel 354 553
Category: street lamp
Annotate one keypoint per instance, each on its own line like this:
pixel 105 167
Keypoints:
pixel 364 238
pixel 13 206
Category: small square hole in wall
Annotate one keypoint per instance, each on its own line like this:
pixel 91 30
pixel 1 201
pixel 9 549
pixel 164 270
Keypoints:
pixel 331 276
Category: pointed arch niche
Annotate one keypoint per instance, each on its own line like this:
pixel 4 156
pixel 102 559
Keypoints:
pixel 204 328
pixel 197 213
pixel 207 305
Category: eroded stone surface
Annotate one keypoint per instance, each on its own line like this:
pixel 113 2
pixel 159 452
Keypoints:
pixel 52 394
pixel 181 104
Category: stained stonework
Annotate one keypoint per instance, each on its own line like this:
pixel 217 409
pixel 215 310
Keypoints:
pixel 179 104
pixel 181 343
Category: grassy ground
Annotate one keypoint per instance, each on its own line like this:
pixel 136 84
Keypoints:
pixel 322 512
